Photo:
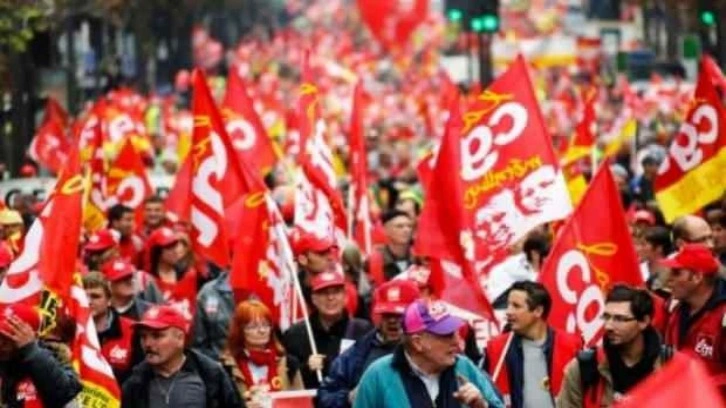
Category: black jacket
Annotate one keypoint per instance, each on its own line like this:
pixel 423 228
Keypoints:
pixel 220 392
pixel 56 383
pixel 328 342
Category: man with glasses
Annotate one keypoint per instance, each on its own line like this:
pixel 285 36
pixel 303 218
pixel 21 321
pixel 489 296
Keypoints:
pixel 631 351
pixel 697 323
pixel 690 229
pixel 427 370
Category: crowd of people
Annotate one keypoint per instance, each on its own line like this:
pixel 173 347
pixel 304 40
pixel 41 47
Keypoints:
pixel 176 334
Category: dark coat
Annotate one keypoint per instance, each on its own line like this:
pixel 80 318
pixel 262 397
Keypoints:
pixel 56 383
pixel 220 392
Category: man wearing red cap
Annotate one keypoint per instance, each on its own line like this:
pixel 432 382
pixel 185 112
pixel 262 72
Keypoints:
pixel 390 301
pixel 115 333
pixel 314 255
pixel 29 373
pixel 333 330
pixel 125 299
pixel 698 322
pixel 171 375
pixel 101 247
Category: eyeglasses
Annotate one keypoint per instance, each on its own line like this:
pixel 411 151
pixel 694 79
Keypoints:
pixel 257 327
pixel 616 318
pixel 701 240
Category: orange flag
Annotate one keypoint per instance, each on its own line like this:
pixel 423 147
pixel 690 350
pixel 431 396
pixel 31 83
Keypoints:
pixel 593 251
pixel 692 174
pixel 244 127
pixel 683 382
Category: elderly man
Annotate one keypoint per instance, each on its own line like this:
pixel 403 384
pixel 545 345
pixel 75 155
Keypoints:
pixel 390 301
pixel 171 375
pixel 696 325
pixel 690 229
pixel 29 373
pixel 426 370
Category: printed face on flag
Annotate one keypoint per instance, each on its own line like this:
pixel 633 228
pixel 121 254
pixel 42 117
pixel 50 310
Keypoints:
pixel 512 182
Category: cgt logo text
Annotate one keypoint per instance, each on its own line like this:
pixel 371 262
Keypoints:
pixel 704 348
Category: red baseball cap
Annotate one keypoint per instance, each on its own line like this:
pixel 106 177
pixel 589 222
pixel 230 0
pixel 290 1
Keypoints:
pixel 394 295
pixel 117 270
pixel 644 216
pixel 326 280
pixel 24 312
pixel 160 317
pixel 101 240
pixel 162 237
pixel 302 241
pixel 6 256
pixel 695 257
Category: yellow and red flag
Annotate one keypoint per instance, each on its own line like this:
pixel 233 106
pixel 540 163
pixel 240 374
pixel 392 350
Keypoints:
pixel 127 181
pixel 692 174
pixel 593 251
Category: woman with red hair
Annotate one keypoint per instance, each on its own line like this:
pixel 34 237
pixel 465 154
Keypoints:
pixel 254 358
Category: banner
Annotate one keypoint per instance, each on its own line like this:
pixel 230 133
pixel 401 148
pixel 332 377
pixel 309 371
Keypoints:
pixel 692 174
pixel 593 251
pixel 512 180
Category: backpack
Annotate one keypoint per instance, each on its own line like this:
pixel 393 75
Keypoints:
pixel 587 362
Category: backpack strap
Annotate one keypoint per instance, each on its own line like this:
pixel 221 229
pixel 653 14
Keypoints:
pixel 587 362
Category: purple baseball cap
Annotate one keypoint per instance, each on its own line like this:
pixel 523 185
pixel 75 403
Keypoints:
pixel 432 317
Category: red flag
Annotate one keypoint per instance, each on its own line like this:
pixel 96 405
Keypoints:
pixel 54 111
pixel 316 158
pixel 216 179
pixel 100 388
pixel 359 172
pixel 244 127
pixel 511 178
pixel 692 175
pixel 683 382
pixel 714 72
pixel 392 22
pixel 50 146
pixel 581 144
pixel 94 212
pixel 127 182
pixel 593 251
pixel 56 231
pixel 263 258
pixel 444 230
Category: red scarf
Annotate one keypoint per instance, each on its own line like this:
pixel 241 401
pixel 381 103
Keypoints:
pixel 267 358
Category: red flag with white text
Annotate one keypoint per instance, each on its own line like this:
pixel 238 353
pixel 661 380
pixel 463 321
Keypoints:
pixel 100 388
pixel 692 174
pixel 244 127
pixel 127 181
pixel 50 147
pixel 592 251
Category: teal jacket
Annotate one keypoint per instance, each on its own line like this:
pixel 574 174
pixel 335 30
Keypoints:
pixel 383 385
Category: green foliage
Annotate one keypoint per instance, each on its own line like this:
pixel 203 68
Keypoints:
pixel 19 20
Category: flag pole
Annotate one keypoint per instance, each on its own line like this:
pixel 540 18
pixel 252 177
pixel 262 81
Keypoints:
pixel 502 357
pixel 292 269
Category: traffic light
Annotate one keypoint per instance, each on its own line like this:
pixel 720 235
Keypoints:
pixel 707 17
pixel 456 10
pixel 486 16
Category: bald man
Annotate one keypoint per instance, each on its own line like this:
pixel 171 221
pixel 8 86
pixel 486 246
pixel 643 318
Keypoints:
pixel 690 229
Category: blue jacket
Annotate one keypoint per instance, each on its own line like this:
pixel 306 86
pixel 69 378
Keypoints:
pixel 346 371
pixel 390 382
